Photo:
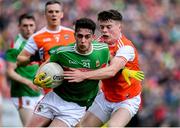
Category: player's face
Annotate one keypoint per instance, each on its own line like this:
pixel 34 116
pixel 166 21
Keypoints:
pixel 84 37
pixel 110 30
pixel 54 15
pixel 27 27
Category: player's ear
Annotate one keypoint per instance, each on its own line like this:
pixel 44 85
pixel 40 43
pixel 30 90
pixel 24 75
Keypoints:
pixel 94 36
pixel 120 25
pixel 62 15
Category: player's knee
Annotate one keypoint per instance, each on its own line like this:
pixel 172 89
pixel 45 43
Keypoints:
pixel 78 125
pixel 116 124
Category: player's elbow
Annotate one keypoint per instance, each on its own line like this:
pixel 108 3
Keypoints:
pixel 22 60
pixel 19 60
pixel 112 73
pixel 10 72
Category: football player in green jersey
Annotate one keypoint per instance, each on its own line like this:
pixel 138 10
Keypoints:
pixel 23 92
pixel 67 104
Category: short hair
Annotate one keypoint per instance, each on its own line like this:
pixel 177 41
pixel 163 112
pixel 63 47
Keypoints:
pixel 26 16
pixel 85 23
pixel 110 15
pixel 53 2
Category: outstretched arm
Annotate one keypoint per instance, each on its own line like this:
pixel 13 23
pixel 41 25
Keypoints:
pixel 116 64
pixel 76 75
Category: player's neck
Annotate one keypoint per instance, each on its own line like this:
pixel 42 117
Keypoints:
pixel 53 28
pixel 84 52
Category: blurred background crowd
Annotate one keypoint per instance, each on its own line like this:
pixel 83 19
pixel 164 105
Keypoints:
pixel 153 26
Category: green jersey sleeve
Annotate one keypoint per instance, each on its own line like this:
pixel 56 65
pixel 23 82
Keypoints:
pixel 11 55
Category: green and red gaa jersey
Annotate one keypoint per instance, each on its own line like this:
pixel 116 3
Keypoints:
pixel 29 71
pixel 84 92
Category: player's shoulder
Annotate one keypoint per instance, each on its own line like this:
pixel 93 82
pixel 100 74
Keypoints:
pixel 125 41
pixel 18 41
pixel 61 49
pixel 66 29
pixel 11 53
pixel 44 31
pixel 68 48
pixel 39 33
pixel 97 44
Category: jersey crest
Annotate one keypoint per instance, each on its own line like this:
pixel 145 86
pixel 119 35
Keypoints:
pixel 97 63
pixel 66 36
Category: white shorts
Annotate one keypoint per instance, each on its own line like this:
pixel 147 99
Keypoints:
pixel 26 102
pixel 103 109
pixel 52 106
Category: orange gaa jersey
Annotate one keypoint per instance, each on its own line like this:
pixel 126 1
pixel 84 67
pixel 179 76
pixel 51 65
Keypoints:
pixel 45 39
pixel 113 87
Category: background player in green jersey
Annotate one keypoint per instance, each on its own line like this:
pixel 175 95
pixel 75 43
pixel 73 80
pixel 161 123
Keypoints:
pixel 69 101
pixel 23 92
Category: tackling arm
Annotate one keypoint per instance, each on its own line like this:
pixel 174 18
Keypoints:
pixel 116 64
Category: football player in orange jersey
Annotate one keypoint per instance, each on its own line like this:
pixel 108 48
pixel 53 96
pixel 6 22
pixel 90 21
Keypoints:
pixel 52 35
pixel 118 101
pixel 38 46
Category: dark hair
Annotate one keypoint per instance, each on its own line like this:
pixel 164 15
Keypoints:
pixel 53 2
pixel 85 23
pixel 26 16
pixel 110 15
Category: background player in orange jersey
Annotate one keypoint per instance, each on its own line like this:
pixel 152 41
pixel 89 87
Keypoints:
pixel 53 34
pixel 118 102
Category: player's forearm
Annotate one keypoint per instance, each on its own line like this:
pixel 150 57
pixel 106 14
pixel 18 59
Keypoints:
pixel 22 60
pixel 107 72
pixel 14 76
pixel 102 73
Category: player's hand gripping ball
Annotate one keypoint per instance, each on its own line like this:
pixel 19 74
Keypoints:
pixel 49 75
